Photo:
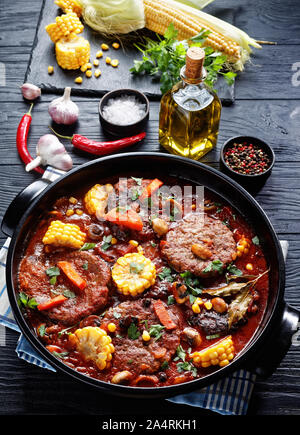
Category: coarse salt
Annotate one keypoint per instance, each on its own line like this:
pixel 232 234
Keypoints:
pixel 124 110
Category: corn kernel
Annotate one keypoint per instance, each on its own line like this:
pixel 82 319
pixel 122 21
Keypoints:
pixel 97 73
pixel 104 47
pixel 89 73
pixel 89 65
pixel 73 200
pixel 96 62
pixel 208 305
pixel 114 63
pixel 99 54
pixel 50 69
pixel 111 327
pixel 249 266
pixel 83 68
pixel 113 241
pixel 196 308
pixel 133 243
pixel 78 80
pixel 69 212
pixel 146 336
pixel 79 212
pixel 108 60
pixel 116 45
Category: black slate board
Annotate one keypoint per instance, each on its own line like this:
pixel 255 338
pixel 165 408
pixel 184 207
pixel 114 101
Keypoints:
pixel 43 54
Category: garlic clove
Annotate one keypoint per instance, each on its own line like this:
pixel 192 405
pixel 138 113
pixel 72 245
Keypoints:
pixel 30 91
pixel 63 110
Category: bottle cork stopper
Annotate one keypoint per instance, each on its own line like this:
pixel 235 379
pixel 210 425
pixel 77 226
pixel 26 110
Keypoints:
pixel 194 62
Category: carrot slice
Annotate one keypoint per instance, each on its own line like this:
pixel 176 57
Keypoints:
pixel 51 303
pixel 163 315
pixel 127 218
pixel 152 187
pixel 71 274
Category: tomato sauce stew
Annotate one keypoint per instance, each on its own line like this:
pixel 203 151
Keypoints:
pixel 143 282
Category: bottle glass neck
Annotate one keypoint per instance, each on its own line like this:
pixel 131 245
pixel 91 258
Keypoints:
pixel 192 81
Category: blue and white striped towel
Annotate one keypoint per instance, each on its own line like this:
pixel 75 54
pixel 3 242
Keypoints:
pixel 229 396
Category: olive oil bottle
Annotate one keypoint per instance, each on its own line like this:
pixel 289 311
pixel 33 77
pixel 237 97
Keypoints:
pixel 190 112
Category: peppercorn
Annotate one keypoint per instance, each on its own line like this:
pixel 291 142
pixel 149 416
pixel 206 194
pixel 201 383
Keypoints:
pixel 247 159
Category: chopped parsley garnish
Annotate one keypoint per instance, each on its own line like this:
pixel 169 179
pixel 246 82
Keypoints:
pixel 106 242
pixel 187 367
pixel 85 266
pixel 171 300
pixel 87 246
pixel 255 240
pixel 153 244
pixel 166 275
pixel 133 332
pixel 211 337
pixel 136 267
pixel 193 285
pixel 60 355
pixel 234 270
pixel 135 194
pixel 156 331
pixel 42 330
pixel 64 291
pixel 180 353
pixel 53 273
pixel 164 365
pixel 116 315
pixel 26 301
pixel 215 265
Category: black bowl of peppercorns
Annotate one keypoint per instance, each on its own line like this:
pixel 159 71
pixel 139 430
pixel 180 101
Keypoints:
pixel 247 159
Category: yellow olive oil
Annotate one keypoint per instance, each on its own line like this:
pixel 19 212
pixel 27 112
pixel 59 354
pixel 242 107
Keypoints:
pixel 190 114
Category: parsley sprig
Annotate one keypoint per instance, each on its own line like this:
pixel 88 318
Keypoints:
pixel 165 58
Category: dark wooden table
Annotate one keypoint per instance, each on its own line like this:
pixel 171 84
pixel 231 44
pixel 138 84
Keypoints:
pixel 267 105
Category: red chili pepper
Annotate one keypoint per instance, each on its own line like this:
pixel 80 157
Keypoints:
pixel 101 148
pixel 21 140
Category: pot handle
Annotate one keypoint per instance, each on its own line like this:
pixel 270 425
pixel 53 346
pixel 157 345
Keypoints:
pixel 284 334
pixel 20 204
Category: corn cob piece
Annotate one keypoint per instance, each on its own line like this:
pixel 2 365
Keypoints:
pixel 69 6
pixel 159 15
pixel 65 25
pixel 72 53
pixel 93 344
pixel 220 353
pixel 61 234
pixel 133 273
pixel 95 200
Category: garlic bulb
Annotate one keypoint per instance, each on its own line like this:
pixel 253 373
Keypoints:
pixel 62 110
pixel 30 92
pixel 50 151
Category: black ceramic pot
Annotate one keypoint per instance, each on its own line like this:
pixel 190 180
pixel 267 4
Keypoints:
pixel 273 337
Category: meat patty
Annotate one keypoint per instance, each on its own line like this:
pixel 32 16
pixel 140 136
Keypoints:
pixel 35 282
pixel 135 354
pixel 205 231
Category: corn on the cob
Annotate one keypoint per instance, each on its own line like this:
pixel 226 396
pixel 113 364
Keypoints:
pixel 220 353
pixel 189 22
pixel 65 25
pixel 95 200
pixel 133 273
pixel 61 234
pixel 72 53
pixel 159 15
pixel 94 345
pixel 69 6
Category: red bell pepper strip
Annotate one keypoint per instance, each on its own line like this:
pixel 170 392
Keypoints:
pixel 163 315
pixel 51 303
pixel 152 187
pixel 21 140
pixel 127 218
pixel 72 275
pixel 101 148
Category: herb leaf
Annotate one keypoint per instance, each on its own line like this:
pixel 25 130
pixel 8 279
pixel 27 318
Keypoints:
pixel 255 240
pixel 106 242
pixel 156 331
pixel 87 246
pixel 166 274
pixel 216 265
pixel 233 270
pixel 133 332
pixel 25 301
pixel 136 267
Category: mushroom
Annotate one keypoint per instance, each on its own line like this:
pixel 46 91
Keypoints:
pixel 120 377
pixel 50 151
pixel 192 336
